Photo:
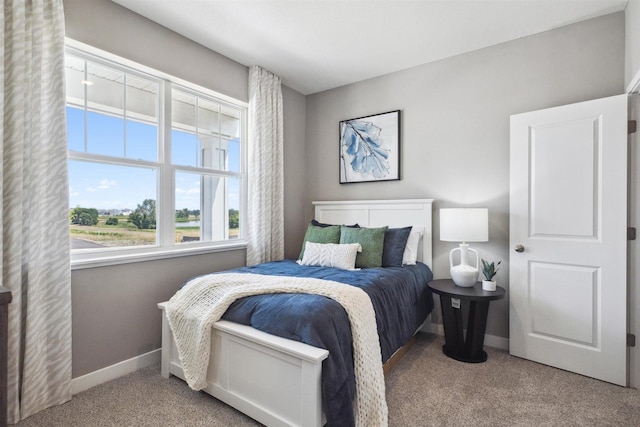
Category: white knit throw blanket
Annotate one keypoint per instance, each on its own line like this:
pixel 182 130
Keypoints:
pixel 202 301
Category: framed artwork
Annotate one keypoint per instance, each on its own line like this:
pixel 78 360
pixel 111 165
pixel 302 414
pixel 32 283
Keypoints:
pixel 370 148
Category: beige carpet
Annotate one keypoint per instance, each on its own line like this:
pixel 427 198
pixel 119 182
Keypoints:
pixel 425 388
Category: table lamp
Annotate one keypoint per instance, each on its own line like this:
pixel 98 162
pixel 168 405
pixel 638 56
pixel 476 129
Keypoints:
pixel 464 225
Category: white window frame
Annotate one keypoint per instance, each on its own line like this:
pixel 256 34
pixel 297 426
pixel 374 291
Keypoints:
pixel 165 207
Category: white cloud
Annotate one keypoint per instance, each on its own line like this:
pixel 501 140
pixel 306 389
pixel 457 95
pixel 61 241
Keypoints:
pixel 106 183
pixel 102 185
pixel 193 190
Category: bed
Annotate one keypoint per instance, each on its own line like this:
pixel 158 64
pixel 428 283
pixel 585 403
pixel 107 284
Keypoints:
pixel 247 365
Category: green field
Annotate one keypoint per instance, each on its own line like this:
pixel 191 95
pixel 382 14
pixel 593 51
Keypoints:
pixel 127 234
pixel 122 234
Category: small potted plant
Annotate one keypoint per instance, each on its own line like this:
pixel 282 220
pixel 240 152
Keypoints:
pixel 489 269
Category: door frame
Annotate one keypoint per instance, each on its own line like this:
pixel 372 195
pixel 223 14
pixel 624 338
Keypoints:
pixel 633 214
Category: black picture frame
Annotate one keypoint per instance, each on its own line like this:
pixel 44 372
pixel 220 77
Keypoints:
pixel 369 148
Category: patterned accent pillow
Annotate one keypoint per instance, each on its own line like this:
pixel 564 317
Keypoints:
pixel 331 255
pixel 372 241
pixel 315 234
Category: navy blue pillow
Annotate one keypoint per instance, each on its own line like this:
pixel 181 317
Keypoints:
pixel 395 240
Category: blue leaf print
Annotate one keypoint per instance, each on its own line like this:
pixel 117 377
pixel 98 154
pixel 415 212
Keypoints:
pixel 362 141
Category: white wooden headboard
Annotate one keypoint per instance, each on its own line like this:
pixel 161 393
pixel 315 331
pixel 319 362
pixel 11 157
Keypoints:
pixel 378 213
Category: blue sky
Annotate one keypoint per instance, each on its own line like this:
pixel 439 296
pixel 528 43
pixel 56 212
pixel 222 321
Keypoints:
pixel 107 186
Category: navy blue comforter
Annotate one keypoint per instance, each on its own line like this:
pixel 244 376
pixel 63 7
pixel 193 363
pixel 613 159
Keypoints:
pixel 400 299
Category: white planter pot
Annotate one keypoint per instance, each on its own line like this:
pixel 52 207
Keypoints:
pixel 488 285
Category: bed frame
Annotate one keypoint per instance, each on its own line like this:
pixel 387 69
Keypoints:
pixel 247 366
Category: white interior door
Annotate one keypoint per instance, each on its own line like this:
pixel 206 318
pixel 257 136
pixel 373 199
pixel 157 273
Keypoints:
pixel 568 213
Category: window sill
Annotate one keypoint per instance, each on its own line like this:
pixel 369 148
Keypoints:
pixel 89 260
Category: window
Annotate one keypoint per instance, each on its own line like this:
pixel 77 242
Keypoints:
pixel 147 175
pixel 205 142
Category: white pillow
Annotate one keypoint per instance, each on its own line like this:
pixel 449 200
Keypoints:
pixel 410 256
pixel 331 255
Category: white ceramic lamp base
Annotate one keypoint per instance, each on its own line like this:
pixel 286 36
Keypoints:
pixel 463 274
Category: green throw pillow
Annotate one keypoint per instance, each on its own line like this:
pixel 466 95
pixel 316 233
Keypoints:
pixel 372 242
pixel 315 234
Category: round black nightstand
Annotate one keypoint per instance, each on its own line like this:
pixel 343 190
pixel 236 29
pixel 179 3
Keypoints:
pixel 456 346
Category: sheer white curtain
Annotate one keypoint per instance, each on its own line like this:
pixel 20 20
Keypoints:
pixel 35 206
pixel 266 193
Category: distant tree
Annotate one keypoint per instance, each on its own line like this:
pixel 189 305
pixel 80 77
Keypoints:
pixel 144 216
pixel 84 216
pixel 112 221
pixel 85 219
pixel 234 218
pixel 182 213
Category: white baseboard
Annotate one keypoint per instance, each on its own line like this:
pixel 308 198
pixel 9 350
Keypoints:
pixel 128 366
pixel 496 342
pixel 112 372
pixel 432 328
pixel 489 340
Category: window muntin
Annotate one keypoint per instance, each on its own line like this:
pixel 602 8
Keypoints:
pixel 118 109
pixel 204 132
pixel 119 151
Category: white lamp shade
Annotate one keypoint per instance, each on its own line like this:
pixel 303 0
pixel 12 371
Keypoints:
pixel 464 224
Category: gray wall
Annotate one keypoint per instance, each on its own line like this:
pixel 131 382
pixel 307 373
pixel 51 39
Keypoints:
pixel 114 308
pixel 295 107
pixel 632 41
pixel 455 125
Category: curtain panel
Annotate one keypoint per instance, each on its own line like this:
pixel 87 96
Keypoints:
pixel 34 212
pixel 266 168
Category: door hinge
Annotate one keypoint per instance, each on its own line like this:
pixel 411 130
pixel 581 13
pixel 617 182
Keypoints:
pixel 631 340
pixel 631 126
pixel 631 233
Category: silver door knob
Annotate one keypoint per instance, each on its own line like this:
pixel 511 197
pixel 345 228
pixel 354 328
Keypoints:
pixel 519 248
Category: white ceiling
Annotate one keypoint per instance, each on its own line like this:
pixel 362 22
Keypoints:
pixel 315 45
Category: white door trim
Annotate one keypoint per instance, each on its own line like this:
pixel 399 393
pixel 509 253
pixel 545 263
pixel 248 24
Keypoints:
pixel 634 246
pixel 634 221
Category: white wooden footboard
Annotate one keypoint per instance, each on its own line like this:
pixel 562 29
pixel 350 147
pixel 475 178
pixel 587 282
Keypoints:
pixel 273 380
